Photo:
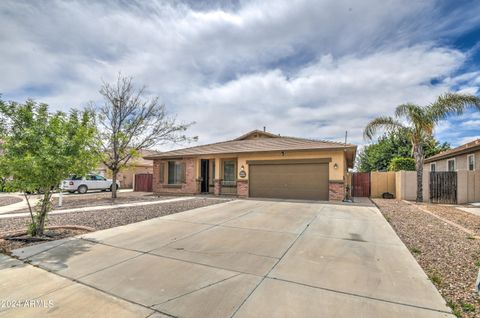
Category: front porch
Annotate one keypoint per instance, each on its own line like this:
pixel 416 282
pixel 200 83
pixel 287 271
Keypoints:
pixel 204 175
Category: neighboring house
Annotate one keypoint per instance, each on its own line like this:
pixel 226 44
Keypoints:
pixel 136 166
pixel 464 157
pixel 257 164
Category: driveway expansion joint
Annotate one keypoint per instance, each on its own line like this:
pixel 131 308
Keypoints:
pixel 274 265
pixel 201 288
pixel 358 295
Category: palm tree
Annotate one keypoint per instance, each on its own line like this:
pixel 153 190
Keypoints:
pixel 418 122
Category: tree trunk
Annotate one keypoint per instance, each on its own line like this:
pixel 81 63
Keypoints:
pixel 114 184
pixel 42 215
pixel 419 158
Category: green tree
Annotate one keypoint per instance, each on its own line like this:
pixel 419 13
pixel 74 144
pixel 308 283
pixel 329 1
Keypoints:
pixel 377 156
pixel 402 163
pixel 40 149
pixel 418 122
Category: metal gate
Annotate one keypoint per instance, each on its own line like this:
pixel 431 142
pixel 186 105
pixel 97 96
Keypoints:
pixel 143 182
pixel 443 187
pixel 361 184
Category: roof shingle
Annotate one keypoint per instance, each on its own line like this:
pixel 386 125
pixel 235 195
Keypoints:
pixel 468 147
pixel 277 143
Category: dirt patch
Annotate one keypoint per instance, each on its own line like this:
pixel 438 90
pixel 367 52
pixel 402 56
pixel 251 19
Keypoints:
pixel 449 256
pixel 7 200
pixel 51 234
pixel 104 219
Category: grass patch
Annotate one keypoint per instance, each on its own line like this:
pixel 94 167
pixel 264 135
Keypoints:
pixel 467 307
pixel 435 277
pixel 416 251
pixel 455 310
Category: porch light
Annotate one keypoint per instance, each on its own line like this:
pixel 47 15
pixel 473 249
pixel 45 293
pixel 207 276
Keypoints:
pixel 335 166
pixel 242 168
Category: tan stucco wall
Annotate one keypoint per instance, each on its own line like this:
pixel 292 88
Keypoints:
pixel 406 185
pixel 461 163
pixel 468 186
pixel 337 157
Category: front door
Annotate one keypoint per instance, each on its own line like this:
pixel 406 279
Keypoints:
pixel 204 173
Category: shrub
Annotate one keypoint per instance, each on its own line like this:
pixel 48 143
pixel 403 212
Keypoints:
pixel 399 163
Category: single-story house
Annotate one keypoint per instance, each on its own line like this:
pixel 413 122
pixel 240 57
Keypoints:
pixel 257 164
pixel 138 165
pixel 464 157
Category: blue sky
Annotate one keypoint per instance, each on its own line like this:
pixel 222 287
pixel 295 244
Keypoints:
pixel 311 68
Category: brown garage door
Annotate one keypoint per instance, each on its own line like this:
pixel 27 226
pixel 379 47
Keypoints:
pixel 289 180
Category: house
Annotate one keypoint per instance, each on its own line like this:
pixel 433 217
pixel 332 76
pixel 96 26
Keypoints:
pixel 257 164
pixel 464 187
pixel 464 157
pixel 138 165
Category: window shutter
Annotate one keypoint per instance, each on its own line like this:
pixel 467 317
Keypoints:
pixel 162 172
pixel 184 172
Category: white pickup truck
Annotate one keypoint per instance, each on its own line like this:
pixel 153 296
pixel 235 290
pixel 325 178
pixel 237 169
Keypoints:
pixel 88 182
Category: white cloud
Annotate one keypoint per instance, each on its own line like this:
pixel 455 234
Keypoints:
pixel 467 139
pixel 304 67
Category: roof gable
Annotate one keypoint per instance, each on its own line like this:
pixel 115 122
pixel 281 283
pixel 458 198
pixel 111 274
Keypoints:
pixel 256 134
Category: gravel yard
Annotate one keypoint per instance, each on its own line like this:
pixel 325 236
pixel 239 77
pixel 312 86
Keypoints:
pixel 465 219
pixel 7 200
pixel 105 219
pixel 105 198
pixel 449 256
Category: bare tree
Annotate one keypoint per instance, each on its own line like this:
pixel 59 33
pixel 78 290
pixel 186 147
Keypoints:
pixel 129 122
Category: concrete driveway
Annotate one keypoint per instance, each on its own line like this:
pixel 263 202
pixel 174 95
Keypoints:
pixel 244 258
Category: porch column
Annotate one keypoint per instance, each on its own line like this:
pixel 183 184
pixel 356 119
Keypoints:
pixel 217 182
pixel 198 175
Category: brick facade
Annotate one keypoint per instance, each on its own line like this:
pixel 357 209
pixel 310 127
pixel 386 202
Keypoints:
pixel 336 191
pixel 191 185
pixel 242 188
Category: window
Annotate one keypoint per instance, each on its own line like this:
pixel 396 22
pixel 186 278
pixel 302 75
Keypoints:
pixel 100 178
pixel 471 162
pixel 451 165
pixel 174 172
pixel 229 171
pixel 433 167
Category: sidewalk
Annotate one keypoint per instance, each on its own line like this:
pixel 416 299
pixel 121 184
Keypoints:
pixel 33 292
pixel 97 208
pixel 34 199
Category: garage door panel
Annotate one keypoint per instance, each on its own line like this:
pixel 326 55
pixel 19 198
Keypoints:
pixel 289 181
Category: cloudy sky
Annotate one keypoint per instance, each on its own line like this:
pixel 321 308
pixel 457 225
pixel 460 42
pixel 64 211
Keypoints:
pixel 299 67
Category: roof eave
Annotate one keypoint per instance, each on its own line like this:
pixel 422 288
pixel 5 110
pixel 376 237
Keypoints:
pixel 166 156
pixel 452 154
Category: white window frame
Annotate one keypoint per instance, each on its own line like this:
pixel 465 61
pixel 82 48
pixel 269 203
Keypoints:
pixel 468 162
pixel 454 164
pixel 434 165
